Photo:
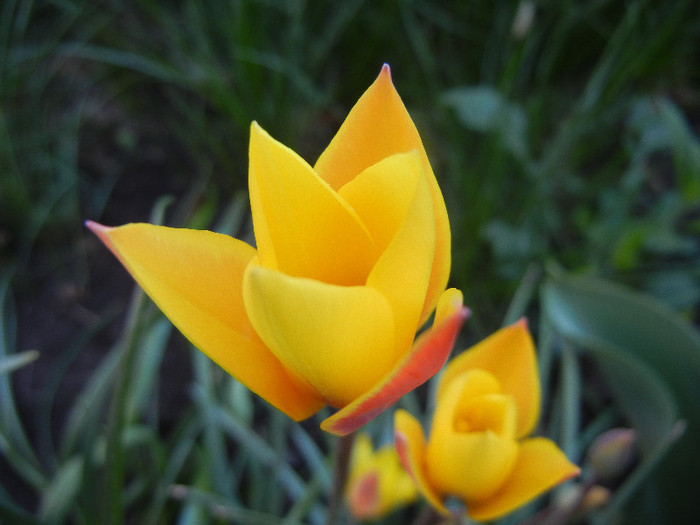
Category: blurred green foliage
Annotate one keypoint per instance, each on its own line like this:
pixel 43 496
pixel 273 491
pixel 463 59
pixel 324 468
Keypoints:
pixel 564 137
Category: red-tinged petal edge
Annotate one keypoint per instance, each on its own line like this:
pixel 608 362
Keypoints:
pixel 427 356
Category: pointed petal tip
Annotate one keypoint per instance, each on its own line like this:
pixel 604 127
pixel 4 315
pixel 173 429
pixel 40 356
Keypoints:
pixel 522 322
pixel 386 70
pixel 98 229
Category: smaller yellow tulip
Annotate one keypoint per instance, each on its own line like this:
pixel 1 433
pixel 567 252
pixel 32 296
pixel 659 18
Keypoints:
pixel 487 403
pixel 377 483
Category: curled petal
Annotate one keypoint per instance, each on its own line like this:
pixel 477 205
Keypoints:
pixel 339 339
pixel 509 355
pixel 411 446
pixel 402 272
pixel 539 467
pixel 425 359
pixel 195 277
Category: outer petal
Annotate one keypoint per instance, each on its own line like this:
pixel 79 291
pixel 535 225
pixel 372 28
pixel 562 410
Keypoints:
pixel 509 355
pixel 424 360
pixel 411 446
pixel 403 270
pixel 379 126
pixel 540 466
pixel 195 278
pixel 302 227
pixel 339 339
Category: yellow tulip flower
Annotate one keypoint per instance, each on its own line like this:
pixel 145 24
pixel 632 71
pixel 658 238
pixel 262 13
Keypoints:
pixel 352 257
pixel 488 402
pixel 377 483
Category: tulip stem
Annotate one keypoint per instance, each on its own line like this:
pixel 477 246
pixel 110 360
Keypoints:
pixel 340 476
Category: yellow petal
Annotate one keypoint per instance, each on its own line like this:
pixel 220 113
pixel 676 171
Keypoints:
pixel 462 458
pixel 425 359
pixel 382 194
pixel 379 126
pixel 539 467
pixel 339 339
pixel 470 465
pixel 195 278
pixel 411 446
pixel 302 227
pixel 402 272
pixel 508 354
pixel 377 482
pixel 396 487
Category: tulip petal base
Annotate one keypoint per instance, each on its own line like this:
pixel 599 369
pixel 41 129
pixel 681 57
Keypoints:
pixel 351 258
pixel 477 449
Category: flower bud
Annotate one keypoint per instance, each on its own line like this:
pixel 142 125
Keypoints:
pixel 612 453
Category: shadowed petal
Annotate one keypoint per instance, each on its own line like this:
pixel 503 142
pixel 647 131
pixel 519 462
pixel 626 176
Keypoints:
pixel 509 355
pixel 379 126
pixel 411 446
pixel 340 339
pixel 302 227
pixel 425 359
pixel 195 277
pixel 540 466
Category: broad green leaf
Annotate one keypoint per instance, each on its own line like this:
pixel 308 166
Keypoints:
pixel 644 349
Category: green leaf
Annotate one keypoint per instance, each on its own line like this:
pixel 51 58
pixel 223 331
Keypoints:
pixel 685 148
pixel 484 109
pixel 15 361
pixel 645 350
pixel 59 497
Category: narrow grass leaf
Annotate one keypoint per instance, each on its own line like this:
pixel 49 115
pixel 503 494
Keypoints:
pixel 59 497
pixel 15 361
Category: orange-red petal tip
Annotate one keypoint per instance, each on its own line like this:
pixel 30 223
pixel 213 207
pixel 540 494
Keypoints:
pixel 427 356
pixel 101 231
pixel 96 227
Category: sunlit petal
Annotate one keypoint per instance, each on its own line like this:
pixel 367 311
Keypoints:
pixel 427 356
pixel 195 278
pixel 377 127
pixel 509 355
pixel 302 227
pixel 540 466
pixel 339 339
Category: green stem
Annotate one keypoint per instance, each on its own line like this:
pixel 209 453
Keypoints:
pixel 340 476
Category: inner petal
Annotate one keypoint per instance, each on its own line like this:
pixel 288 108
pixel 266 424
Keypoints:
pixel 338 339
pixel 381 194
pixel 492 412
pixel 302 226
